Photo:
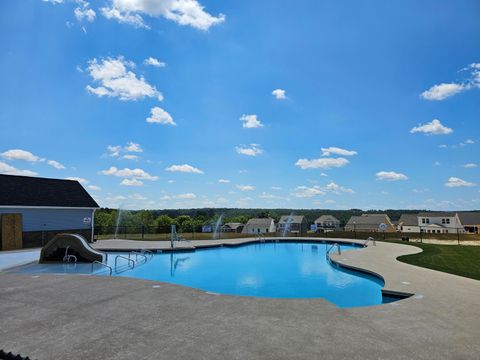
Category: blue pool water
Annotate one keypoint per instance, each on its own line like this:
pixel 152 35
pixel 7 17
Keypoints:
pixel 276 270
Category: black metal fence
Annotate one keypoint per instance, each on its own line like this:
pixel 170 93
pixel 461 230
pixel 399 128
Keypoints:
pixel 159 233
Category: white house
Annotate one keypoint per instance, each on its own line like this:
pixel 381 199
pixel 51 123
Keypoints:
pixel 259 225
pixel 327 223
pixel 408 223
pixel 440 222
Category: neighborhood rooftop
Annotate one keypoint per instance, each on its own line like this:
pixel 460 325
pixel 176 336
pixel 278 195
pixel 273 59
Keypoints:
pixel 42 192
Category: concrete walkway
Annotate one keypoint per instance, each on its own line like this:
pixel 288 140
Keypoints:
pixel 85 317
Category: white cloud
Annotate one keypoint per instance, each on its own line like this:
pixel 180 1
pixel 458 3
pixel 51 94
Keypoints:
pixel 116 80
pixel 18 154
pixel 10 170
pixel 469 141
pixel 94 187
pixel 267 196
pixel 186 196
pixel 251 121
pixel 133 147
pixel 390 176
pixel 130 157
pixel 131 182
pixel 337 151
pixel 470 165
pixel 79 179
pixel 84 12
pixel 245 187
pixel 223 181
pixel 160 116
pixel 307 192
pixel 337 189
pixel 129 173
pixel 442 91
pixel 322 163
pixel 457 182
pixel 279 94
pixel 253 150
pixel 276 188
pixel 125 152
pixel 185 168
pixel 154 62
pixel 183 12
pixel 434 127
pixel 55 164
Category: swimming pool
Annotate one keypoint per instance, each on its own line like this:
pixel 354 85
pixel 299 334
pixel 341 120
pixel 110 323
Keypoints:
pixel 274 270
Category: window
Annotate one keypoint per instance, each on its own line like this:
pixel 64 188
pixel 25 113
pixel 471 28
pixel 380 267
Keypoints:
pixel 444 221
pixel 448 221
pixel 446 231
pixel 423 221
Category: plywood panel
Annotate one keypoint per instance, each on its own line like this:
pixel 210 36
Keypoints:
pixel 11 231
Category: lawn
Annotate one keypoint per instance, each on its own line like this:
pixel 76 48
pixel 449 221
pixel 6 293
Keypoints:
pixel 453 259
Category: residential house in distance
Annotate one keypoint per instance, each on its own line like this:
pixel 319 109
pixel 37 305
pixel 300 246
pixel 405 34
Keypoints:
pixel 296 224
pixel 33 210
pixel 327 223
pixel 440 222
pixel 408 223
pixel 232 227
pixel 470 221
pixel 259 226
pixel 369 223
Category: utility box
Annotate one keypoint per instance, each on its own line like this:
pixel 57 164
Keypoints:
pixel 11 231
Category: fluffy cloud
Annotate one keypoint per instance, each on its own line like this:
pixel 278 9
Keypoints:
pixel 337 151
pixel 251 122
pixel 125 152
pixel 131 182
pixel 223 181
pixel 457 182
pixel 84 11
pixel 470 165
pixel 24 155
pixel 337 189
pixel 79 179
pixel 186 196
pixel 442 91
pixel 133 147
pixel 94 188
pixel 307 192
pixel 18 154
pixel 116 80
pixel 55 164
pixel 154 62
pixel 434 127
pixel 279 94
pixel 445 90
pixel 129 173
pixel 185 168
pixel 390 176
pixel 160 116
pixel 245 187
pixel 253 150
pixel 183 12
pixel 10 170
pixel 322 163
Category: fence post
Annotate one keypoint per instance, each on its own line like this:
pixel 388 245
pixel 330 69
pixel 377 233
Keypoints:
pixel 458 236
pixel 143 232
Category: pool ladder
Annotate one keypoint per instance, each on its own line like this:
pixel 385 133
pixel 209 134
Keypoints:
pixel 260 236
pixel 327 253
pixel 131 263
pixel 374 242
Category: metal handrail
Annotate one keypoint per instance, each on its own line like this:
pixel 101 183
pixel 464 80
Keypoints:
pixel 136 255
pixel 370 239
pixel 146 251
pixel 339 250
pixel 126 258
pixel 101 263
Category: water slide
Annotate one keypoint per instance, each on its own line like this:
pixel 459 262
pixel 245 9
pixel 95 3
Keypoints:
pixel 70 248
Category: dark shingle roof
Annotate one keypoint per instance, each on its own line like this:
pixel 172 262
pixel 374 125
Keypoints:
pixel 469 217
pixel 327 218
pixel 34 191
pixel 409 220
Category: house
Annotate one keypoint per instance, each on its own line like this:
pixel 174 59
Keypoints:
pixel 408 223
pixel 370 223
pixel 327 223
pixel 439 222
pixel 232 227
pixel 296 224
pixel 33 210
pixel 470 221
pixel 259 225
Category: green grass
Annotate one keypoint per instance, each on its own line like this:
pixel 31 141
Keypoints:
pixel 453 259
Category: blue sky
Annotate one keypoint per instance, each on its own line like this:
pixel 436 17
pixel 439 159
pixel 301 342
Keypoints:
pixel 301 104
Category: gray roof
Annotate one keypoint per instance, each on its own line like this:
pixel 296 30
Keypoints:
pixel 233 225
pixel 408 219
pixel 327 218
pixel 369 219
pixel 260 221
pixel 293 218
pixel 438 214
pixel 469 217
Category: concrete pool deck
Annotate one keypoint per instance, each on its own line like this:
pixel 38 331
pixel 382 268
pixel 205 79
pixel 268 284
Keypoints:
pixel 87 317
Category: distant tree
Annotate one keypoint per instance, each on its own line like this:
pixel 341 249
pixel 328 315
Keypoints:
pixel 163 223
